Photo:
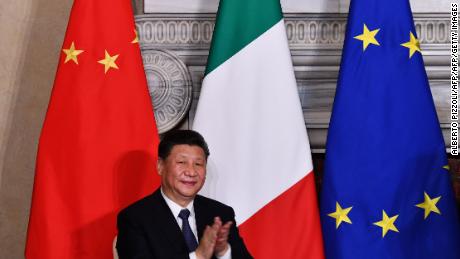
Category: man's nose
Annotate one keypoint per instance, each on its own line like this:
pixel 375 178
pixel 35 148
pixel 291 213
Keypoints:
pixel 190 170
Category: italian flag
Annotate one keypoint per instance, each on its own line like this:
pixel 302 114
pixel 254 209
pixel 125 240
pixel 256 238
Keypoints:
pixel 250 114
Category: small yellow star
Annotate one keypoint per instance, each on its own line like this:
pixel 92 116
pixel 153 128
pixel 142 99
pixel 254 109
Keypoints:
pixel 108 61
pixel 368 37
pixel 429 205
pixel 387 223
pixel 136 38
pixel 413 45
pixel 340 215
pixel 72 53
pixel 447 167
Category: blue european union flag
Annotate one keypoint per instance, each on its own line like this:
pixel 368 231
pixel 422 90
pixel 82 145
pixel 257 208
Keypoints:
pixel 387 191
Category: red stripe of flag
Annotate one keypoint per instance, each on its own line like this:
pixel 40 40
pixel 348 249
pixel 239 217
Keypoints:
pixel 291 221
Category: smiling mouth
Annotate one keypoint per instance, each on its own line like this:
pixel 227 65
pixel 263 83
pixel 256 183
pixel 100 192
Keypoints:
pixel 188 183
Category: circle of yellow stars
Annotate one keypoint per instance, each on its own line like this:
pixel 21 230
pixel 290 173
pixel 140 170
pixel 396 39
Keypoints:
pixel 109 61
pixel 387 223
pixel 368 37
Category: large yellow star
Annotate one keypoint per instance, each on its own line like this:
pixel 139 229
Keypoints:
pixel 108 62
pixel 340 215
pixel 368 37
pixel 387 223
pixel 136 37
pixel 413 45
pixel 429 205
pixel 72 53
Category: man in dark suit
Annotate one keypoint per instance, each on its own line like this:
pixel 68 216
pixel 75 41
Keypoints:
pixel 169 223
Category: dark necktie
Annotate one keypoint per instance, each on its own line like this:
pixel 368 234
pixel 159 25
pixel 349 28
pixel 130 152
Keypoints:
pixel 190 240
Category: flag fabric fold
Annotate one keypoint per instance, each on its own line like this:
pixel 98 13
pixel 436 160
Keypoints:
pixel 386 191
pixel 250 114
pixel 97 149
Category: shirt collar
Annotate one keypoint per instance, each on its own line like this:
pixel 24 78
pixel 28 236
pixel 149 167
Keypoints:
pixel 176 208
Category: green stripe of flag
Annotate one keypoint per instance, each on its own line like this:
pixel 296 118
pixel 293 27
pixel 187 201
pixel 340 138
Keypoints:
pixel 238 23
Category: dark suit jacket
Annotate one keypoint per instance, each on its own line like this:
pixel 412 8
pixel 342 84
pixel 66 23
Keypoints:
pixel 148 229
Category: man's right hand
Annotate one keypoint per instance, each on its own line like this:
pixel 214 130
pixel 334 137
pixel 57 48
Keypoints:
pixel 208 241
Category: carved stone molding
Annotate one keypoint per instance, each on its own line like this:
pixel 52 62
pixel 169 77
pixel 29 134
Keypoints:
pixel 194 31
pixel 174 31
pixel 169 85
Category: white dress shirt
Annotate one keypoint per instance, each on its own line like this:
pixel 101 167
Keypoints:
pixel 176 208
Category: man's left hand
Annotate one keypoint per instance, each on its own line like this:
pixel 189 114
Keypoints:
pixel 222 237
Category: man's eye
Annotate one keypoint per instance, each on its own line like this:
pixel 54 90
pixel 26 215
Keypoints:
pixel 181 162
pixel 198 164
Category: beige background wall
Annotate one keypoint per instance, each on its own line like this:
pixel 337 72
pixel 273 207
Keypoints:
pixel 31 34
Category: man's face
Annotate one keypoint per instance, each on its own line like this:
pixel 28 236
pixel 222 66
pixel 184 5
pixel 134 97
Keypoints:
pixel 183 173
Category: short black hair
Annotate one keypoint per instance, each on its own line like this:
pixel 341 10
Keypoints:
pixel 181 137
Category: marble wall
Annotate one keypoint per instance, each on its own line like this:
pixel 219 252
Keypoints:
pixel 31 36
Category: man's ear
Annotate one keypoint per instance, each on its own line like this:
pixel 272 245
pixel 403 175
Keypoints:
pixel 160 166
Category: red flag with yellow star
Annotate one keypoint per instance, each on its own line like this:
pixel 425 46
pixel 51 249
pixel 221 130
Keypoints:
pixel 97 150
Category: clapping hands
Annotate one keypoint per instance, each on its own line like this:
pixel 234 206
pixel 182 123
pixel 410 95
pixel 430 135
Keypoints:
pixel 214 240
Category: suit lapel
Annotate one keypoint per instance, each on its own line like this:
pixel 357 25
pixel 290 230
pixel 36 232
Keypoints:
pixel 202 215
pixel 171 229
